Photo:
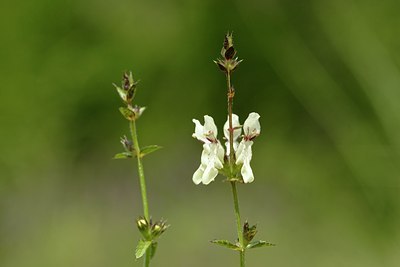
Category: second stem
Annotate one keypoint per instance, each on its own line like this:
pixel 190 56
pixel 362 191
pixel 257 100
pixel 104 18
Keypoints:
pixel 142 180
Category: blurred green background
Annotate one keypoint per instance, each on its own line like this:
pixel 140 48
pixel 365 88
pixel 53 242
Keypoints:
pixel 324 75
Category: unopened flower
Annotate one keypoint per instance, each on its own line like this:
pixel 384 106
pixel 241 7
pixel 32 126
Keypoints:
pixel 251 129
pixel 237 131
pixel 212 156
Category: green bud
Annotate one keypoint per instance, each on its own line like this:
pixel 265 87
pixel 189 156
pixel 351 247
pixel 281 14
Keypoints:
pixel 158 228
pixel 144 227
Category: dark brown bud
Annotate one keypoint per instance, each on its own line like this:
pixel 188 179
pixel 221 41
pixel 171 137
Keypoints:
pixel 249 232
pixel 125 81
pixel 230 53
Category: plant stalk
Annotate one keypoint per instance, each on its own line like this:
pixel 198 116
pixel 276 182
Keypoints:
pixel 146 262
pixel 140 170
pixel 238 223
pixel 231 94
pixel 142 182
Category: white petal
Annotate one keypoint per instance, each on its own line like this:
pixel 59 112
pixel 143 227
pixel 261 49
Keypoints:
pixel 243 156
pixel 251 126
pixel 206 133
pixel 198 174
pixel 209 174
pixel 219 156
pixel 244 152
pixel 235 124
pixel 210 129
pixel 247 172
pixel 199 131
pixel 236 133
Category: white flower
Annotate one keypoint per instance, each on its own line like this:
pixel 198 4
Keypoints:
pixel 252 129
pixel 212 156
pixel 212 159
pixel 206 133
pixel 236 133
pixel 251 126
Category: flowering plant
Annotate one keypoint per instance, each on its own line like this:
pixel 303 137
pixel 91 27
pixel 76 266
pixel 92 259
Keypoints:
pixel 150 230
pixel 233 162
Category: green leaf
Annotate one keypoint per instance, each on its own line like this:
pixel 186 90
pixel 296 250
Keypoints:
pixel 123 155
pixel 227 244
pixel 153 249
pixel 149 149
pixel 127 113
pixel 141 248
pixel 259 244
pixel 121 92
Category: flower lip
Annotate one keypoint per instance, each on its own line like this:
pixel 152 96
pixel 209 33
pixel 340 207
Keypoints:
pixel 251 127
pixel 206 133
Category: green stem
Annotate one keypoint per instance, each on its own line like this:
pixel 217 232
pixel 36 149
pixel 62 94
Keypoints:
pixel 146 262
pixel 140 170
pixel 231 94
pixel 238 221
pixel 142 181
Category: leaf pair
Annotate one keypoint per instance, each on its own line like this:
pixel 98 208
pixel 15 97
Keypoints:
pixel 143 152
pixel 237 247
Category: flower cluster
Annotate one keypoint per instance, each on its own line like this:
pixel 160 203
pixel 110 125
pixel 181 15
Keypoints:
pixel 149 229
pixel 228 63
pixel 127 92
pixel 212 157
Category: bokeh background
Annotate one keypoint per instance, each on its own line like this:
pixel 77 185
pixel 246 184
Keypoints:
pixel 324 75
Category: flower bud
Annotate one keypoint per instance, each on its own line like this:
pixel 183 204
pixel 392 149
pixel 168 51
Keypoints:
pixel 143 226
pixel 249 232
pixel 228 63
pixel 158 228
pixel 127 144
pixel 138 111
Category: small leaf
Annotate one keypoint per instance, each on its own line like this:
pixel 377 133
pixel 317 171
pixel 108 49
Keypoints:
pixel 141 248
pixel 220 65
pixel 149 149
pixel 259 244
pixel 123 155
pixel 227 244
pixel 153 249
pixel 121 92
pixel 127 113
